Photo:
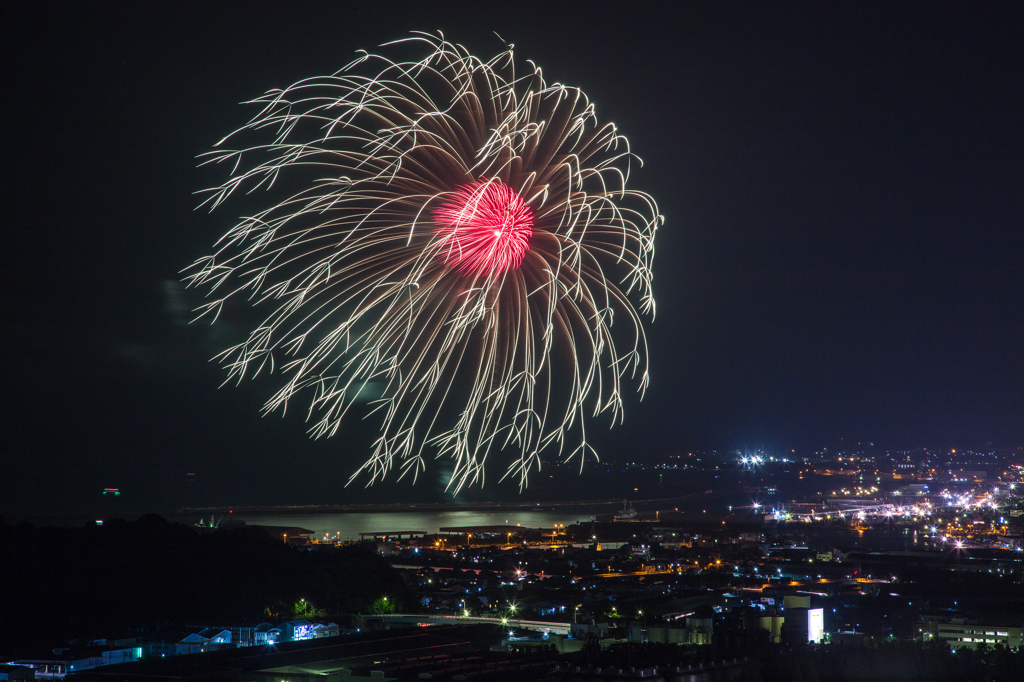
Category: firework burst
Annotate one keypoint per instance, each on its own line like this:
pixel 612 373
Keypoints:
pixel 453 231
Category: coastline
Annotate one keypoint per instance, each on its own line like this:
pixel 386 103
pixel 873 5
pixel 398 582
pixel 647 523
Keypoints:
pixel 190 514
pixel 426 506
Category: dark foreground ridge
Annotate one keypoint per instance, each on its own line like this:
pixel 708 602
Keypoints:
pixel 61 583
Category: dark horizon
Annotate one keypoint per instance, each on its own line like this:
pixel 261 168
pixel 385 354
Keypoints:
pixel 841 259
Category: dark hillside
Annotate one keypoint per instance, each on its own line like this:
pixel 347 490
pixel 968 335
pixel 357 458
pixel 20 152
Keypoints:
pixel 59 583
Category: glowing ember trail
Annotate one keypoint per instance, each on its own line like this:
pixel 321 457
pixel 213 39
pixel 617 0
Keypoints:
pixel 485 228
pixel 449 246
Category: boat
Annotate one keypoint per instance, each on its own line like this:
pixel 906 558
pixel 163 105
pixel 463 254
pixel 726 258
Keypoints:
pixel 763 489
pixel 626 513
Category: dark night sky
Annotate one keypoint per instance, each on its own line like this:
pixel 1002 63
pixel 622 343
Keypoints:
pixel 843 255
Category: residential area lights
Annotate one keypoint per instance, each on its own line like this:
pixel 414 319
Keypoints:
pixel 661 570
pixel 563 572
pixel 709 574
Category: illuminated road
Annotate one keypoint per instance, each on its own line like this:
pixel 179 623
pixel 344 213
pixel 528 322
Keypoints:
pixel 667 571
pixel 514 623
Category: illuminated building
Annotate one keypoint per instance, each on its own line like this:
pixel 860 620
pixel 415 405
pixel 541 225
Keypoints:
pixel 971 635
pixel 802 623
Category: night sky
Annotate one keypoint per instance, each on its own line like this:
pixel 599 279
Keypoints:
pixel 842 259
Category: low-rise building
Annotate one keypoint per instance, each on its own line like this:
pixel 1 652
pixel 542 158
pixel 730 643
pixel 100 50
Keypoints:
pixel 16 673
pixel 961 633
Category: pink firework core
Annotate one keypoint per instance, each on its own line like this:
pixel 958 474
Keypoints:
pixel 485 228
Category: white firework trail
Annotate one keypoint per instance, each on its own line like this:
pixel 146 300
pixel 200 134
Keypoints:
pixel 371 271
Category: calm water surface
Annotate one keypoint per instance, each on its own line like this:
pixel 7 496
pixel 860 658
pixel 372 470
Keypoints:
pixel 348 526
